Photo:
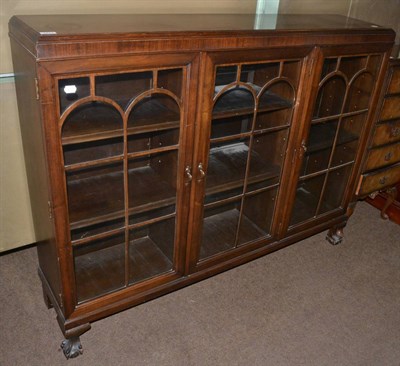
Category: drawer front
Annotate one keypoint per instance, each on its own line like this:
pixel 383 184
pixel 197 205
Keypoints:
pixel 391 108
pixel 394 84
pixel 386 133
pixel 383 156
pixel 379 180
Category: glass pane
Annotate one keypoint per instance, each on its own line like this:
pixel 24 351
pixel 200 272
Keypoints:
pixel 227 165
pixel 267 153
pixel 224 76
pixel 235 101
pixel 152 140
pixel 123 88
pixel 359 93
pixel 151 214
pixel 329 66
pixel 330 97
pixel 278 96
pixel 95 194
pixel 99 267
pixel 92 121
pixel 93 150
pixel 351 65
pixel 171 80
pixel 157 111
pixel 291 71
pixel 152 182
pixel 259 74
pixel 307 198
pixel 219 228
pixel 257 216
pixel 151 250
pixel 348 138
pixel 231 126
pixel 71 90
pixel 373 64
pixel 335 187
pixel 319 147
pixel 223 194
pixel 276 118
pixel 103 227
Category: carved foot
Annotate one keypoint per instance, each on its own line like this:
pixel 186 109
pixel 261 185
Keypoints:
pixel 335 235
pixel 72 347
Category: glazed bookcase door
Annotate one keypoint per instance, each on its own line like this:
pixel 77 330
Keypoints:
pixel 249 121
pixel 121 139
pixel 339 116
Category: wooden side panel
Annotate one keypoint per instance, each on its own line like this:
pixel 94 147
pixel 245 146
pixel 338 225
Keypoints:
pixel 35 161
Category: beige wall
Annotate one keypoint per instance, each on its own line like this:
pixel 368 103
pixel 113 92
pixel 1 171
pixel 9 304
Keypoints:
pixel 16 227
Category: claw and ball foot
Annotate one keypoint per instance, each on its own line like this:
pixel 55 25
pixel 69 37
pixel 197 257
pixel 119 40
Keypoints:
pixel 335 235
pixel 72 347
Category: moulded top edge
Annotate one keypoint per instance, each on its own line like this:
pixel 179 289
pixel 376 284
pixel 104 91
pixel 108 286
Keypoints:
pixel 76 26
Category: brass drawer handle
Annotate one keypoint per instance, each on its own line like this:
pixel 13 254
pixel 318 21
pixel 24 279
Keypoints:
pixel 188 173
pixel 383 180
pixel 201 171
pixel 395 132
pixel 388 156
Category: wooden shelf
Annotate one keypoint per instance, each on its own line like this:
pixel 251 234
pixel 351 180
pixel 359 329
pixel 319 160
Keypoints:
pixel 150 192
pixel 100 272
pixel 219 232
pixel 103 271
pixel 99 123
pixel 239 101
pixel 227 166
pixel 146 260
pixel 328 131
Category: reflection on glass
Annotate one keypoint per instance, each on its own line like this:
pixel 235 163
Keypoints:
pixel 71 90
